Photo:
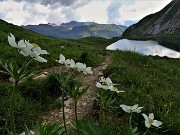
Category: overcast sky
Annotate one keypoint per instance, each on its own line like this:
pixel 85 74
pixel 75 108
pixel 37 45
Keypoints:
pixel 124 12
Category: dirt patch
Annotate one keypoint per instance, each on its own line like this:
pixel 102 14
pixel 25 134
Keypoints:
pixel 85 104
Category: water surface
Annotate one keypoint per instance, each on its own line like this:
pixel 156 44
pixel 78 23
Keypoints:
pixel 144 47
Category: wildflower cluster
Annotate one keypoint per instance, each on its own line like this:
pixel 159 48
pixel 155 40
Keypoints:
pixel 148 120
pixel 107 84
pixel 71 64
pixel 28 49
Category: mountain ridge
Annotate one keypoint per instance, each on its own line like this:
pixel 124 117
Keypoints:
pixel 166 21
pixel 77 30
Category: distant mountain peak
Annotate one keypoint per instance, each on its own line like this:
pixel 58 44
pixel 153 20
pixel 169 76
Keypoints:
pixel 52 24
pixel 76 30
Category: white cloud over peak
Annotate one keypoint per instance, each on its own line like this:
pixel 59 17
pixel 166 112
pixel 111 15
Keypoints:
pixel 23 12
pixel 94 11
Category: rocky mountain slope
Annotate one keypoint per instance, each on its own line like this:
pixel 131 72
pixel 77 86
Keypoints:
pixel 76 30
pixel 166 21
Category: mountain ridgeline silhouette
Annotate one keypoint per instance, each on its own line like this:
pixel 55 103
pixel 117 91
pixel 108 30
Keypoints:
pixel 166 21
pixel 76 30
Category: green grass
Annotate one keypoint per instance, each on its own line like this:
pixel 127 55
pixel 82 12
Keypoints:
pixel 151 82
pixel 32 99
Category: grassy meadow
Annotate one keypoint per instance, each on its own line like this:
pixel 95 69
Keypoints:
pixel 151 82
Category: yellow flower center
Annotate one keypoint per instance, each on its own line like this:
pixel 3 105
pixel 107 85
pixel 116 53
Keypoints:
pixel 114 89
pixel 35 45
pixel 150 120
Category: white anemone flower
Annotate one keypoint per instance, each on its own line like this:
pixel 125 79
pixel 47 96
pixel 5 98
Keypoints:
pixel 67 62
pixel 27 50
pixel 106 81
pixel 88 70
pixel 106 84
pixel 102 79
pixel 109 82
pixel 61 59
pixel 100 86
pixel 80 66
pixel 130 109
pixel 150 120
pixel 36 49
pixel 12 42
pixel 72 64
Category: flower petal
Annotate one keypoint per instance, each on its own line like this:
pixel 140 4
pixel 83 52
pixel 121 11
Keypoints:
pixel 134 106
pixel 102 79
pixel 21 44
pixel 88 70
pixel 126 108
pixel 23 53
pixel 40 59
pixel 145 116
pixel 151 116
pixel 138 110
pixel 72 64
pixel 98 85
pixel 11 40
pixel 157 123
pixel 61 58
pixel 147 124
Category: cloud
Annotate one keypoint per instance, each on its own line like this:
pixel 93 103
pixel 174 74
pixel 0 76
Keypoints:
pixel 113 11
pixel 141 9
pixel 23 12
pixel 94 11
pixel 120 11
pixel 66 3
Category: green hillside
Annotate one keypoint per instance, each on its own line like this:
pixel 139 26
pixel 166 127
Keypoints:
pixel 72 48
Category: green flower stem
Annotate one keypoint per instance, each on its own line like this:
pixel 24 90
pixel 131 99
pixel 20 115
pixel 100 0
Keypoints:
pixel 12 108
pixel 76 116
pixel 64 118
pixel 26 64
pixel 130 119
pixel 102 114
pixel 75 109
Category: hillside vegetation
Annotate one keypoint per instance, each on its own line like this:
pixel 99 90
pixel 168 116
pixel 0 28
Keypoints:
pixel 70 48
